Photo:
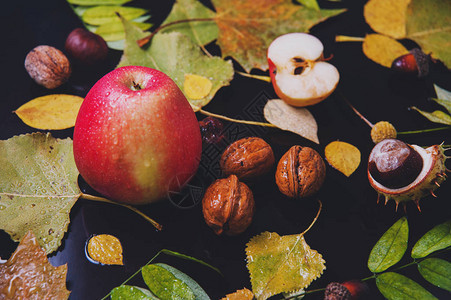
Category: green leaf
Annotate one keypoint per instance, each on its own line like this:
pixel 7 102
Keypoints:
pixel 437 238
pixel 428 24
pixel 164 284
pixel 443 97
pixel 38 187
pixel 198 291
pixel 390 248
pixel 99 15
pixel 115 31
pixel 200 32
pixel 176 55
pixel 116 45
pixel 437 271
pixel 313 4
pixel 395 286
pixel 80 10
pixel 128 292
pixel 437 116
pixel 98 2
pixel 187 257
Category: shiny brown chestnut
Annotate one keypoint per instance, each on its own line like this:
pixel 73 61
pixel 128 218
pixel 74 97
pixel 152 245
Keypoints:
pixel 86 47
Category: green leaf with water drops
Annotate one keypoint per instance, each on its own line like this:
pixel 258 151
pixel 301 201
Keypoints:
pixel 38 187
pixel 437 238
pixel 390 248
pixel 437 271
pixel 395 286
pixel 131 293
pixel 437 116
pixel 177 56
pixel 99 15
pixel 443 97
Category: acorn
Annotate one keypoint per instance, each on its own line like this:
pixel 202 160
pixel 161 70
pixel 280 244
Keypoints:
pixel 416 62
pixel 86 47
pixel 383 130
pixel 404 172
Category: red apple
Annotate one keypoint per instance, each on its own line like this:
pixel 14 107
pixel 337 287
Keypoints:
pixel 298 74
pixel 136 136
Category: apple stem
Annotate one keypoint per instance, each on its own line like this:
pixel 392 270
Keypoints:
pixel 204 112
pixel 259 77
pixel 105 200
pixel 345 38
pixel 142 42
pixel 424 130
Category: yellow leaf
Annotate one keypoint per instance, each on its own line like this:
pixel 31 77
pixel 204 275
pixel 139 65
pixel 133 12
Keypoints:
pixel 382 49
pixel 50 112
pixel 197 87
pixel 343 156
pixel 387 16
pixel 105 249
pixel 243 294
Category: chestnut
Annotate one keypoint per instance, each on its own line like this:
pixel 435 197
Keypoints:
pixel 86 47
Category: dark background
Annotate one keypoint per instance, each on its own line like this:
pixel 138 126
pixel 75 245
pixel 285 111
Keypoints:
pixel 351 221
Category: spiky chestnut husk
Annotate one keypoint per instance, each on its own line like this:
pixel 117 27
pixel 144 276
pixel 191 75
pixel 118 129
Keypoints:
pixel 432 174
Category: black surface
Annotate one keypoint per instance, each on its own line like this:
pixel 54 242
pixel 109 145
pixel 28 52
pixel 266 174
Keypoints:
pixel 351 221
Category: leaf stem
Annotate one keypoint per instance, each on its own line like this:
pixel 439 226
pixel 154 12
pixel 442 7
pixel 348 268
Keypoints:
pixel 259 77
pixel 316 217
pixel 345 38
pixel 105 200
pixel 142 42
pixel 204 112
pixel 356 111
pixel 424 130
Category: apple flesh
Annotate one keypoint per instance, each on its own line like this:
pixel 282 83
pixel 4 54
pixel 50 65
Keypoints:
pixel 136 137
pixel 298 75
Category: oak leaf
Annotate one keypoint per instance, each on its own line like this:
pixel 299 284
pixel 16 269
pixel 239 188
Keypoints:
pixel 246 28
pixel 38 187
pixel 343 156
pixel 280 264
pixel 29 275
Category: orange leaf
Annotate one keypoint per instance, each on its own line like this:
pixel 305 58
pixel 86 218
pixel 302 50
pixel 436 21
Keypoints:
pixel 28 274
pixel 243 294
pixel 105 249
pixel 343 156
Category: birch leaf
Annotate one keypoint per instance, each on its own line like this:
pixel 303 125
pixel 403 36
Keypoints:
pixel 38 187
pixel 437 116
pixel 443 97
pixel 51 112
pixel 279 264
pixel 387 17
pixel 382 49
pixel 294 119
pixel 343 156
pixel 29 275
pixel 176 55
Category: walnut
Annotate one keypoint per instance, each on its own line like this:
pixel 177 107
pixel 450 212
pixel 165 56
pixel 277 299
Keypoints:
pixel 247 158
pixel 301 172
pixel 48 66
pixel 228 206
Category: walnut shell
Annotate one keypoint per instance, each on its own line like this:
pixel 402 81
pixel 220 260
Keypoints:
pixel 48 66
pixel 300 172
pixel 247 158
pixel 228 206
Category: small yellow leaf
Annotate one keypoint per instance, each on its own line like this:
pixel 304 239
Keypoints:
pixel 105 249
pixel 343 156
pixel 382 49
pixel 243 294
pixel 387 16
pixel 197 87
pixel 51 112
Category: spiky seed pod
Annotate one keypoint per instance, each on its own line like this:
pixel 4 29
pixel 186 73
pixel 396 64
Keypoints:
pixel 336 291
pixel 392 161
pixel 383 130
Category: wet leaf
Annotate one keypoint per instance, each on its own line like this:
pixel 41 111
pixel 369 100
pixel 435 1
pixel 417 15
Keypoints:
pixel 387 17
pixel 38 187
pixel 29 275
pixel 395 286
pixel 437 271
pixel 313 4
pixel 243 294
pixel 443 97
pixel 196 87
pixel 294 119
pixel 437 238
pixel 115 31
pixel 428 24
pixel 187 257
pixel 280 264
pixel 99 15
pixel 131 293
pixel 382 49
pixel 343 156
pixel 437 116
pixel 390 248
pixel 200 32
pixel 105 249
pixel 176 55
pixel 98 2
pixel 51 112
pixel 246 31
